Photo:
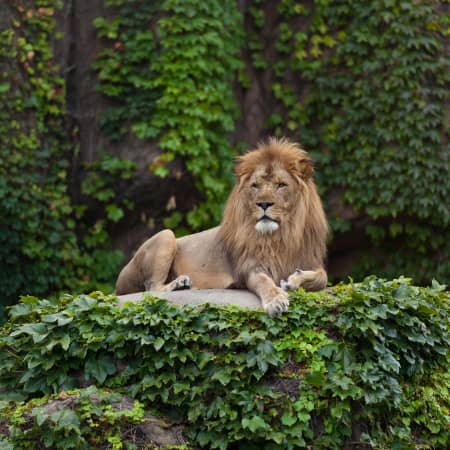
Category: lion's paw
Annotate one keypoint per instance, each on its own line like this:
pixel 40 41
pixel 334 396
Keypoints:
pixel 277 305
pixel 180 283
pixel 294 281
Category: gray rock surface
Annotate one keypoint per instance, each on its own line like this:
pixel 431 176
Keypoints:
pixel 239 297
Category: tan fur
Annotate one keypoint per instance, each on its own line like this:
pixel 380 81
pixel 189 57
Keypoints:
pixel 276 176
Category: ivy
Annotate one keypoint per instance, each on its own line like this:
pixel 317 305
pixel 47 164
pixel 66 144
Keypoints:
pixel 103 180
pixel 44 244
pixel 364 87
pixel 337 362
pixel 174 86
pixel 79 419
pixel 125 69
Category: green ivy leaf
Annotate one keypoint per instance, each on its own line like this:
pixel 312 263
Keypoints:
pixel 114 212
pixel 288 419
pixel 254 424
pixel 158 343
pixel 100 366
pixel 38 331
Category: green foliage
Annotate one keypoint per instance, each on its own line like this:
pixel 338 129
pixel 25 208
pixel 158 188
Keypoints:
pixel 103 181
pixel 371 356
pixel 44 246
pixel 179 94
pixel 125 69
pixel 365 87
pixel 80 419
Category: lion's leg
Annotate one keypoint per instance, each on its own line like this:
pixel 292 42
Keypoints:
pixel 274 300
pixel 158 256
pixel 150 267
pixel 310 280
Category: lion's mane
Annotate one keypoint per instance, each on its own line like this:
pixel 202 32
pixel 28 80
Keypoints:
pixel 300 241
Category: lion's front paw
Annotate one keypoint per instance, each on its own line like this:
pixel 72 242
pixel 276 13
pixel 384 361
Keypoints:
pixel 277 305
pixel 182 282
pixel 294 281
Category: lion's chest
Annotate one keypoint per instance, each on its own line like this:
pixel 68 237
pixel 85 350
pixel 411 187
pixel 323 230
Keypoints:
pixel 274 260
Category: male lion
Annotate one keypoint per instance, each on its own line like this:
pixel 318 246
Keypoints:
pixel 273 229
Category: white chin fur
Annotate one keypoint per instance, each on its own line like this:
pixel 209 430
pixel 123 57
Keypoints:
pixel 266 226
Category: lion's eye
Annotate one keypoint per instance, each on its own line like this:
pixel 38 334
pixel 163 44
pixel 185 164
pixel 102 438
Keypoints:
pixel 281 185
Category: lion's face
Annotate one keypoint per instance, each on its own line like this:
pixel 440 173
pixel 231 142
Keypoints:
pixel 270 197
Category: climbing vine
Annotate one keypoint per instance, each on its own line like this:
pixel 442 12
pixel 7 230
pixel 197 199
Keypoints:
pixel 364 87
pixel 125 68
pixel 44 244
pixel 182 75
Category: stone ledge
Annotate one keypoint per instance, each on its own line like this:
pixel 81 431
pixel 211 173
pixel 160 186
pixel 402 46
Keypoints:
pixel 240 297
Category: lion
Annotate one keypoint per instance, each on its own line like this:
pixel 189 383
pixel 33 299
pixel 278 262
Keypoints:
pixel 272 237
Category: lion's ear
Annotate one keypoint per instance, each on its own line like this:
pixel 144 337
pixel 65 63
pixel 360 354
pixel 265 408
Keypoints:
pixel 305 167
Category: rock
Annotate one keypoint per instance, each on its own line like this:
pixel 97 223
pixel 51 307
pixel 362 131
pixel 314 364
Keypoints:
pixel 160 433
pixel 243 298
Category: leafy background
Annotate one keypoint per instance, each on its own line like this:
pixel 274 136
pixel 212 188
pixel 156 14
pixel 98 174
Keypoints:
pixel 124 117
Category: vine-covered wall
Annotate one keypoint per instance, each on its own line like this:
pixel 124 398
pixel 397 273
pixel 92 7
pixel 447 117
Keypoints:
pixel 365 87
pixel 173 83
pixel 184 86
pixel 46 242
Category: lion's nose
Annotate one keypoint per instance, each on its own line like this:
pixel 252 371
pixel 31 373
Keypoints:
pixel 264 205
